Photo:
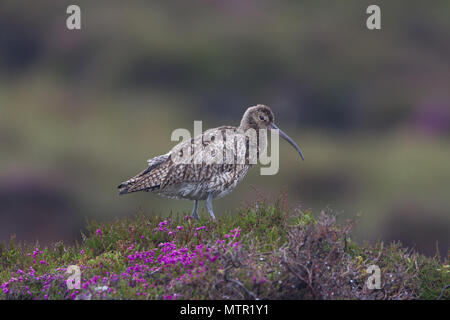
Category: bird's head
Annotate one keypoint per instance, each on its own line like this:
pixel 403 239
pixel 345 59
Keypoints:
pixel 261 117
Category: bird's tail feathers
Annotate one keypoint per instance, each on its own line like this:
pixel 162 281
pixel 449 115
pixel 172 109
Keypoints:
pixel 137 183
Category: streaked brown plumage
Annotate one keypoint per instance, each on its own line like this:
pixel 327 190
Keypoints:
pixel 201 174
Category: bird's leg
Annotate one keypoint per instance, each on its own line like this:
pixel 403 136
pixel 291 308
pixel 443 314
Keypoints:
pixel 195 211
pixel 209 206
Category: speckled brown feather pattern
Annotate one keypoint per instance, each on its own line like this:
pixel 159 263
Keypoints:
pixel 198 175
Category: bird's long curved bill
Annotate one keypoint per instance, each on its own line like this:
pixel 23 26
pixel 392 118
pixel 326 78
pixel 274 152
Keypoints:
pixel 288 139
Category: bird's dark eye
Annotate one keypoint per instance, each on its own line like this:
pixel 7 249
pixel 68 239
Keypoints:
pixel 261 117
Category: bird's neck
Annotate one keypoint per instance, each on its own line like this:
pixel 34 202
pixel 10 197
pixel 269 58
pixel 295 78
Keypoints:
pixel 247 122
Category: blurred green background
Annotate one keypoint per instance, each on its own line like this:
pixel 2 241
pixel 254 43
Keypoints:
pixel 81 111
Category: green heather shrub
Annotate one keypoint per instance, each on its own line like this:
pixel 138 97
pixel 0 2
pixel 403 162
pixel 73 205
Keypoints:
pixel 266 251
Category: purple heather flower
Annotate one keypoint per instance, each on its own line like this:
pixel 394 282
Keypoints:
pixel 36 252
pixel 166 257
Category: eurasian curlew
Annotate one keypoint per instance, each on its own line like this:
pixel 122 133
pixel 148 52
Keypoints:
pixel 210 165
